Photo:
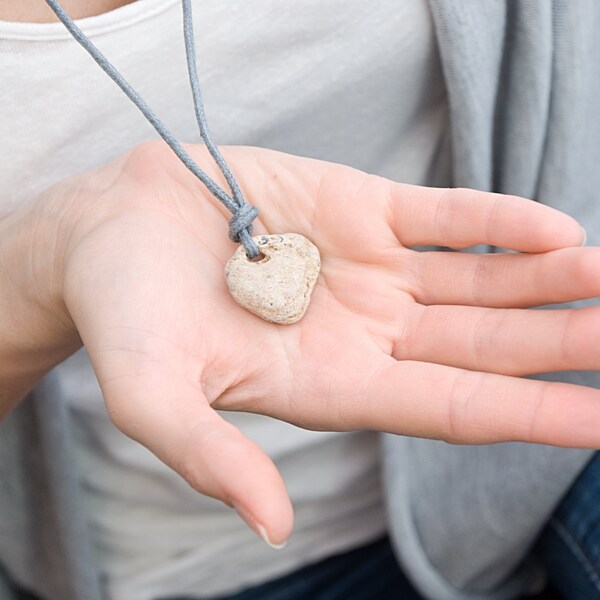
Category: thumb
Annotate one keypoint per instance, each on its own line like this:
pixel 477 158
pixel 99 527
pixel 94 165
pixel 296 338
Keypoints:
pixel 178 425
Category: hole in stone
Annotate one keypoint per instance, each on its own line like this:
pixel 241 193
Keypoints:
pixel 259 259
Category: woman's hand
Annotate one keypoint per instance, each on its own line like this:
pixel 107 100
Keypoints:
pixel 424 344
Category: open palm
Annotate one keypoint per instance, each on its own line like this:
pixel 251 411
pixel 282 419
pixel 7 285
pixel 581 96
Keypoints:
pixel 416 343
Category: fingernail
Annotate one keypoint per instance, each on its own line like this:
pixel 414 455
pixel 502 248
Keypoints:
pixel 265 537
pixel 584 236
pixel 259 529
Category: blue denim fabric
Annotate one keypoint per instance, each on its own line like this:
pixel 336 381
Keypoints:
pixel 570 543
pixel 367 573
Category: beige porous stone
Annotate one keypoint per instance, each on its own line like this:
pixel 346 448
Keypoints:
pixel 278 286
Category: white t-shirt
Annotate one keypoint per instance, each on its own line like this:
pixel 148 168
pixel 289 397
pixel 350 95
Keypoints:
pixel 343 80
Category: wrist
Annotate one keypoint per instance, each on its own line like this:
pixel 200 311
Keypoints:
pixel 36 332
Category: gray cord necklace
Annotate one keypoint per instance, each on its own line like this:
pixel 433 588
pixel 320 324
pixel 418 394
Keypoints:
pixel 272 276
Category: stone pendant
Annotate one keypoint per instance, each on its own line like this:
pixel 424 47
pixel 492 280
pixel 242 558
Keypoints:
pixel 276 287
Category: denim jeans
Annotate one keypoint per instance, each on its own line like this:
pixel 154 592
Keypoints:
pixel 367 573
pixel 570 543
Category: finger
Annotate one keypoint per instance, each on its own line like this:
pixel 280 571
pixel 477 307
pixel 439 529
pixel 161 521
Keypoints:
pixel 507 280
pixel 177 424
pixel 459 218
pixel 435 401
pixel 507 341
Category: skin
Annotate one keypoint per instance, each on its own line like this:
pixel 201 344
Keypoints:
pixel 36 11
pixel 129 259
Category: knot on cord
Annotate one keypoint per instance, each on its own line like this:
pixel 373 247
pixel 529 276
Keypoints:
pixel 240 228
pixel 242 219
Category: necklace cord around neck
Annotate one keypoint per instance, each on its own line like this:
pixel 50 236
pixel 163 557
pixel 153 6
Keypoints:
pixel 240 224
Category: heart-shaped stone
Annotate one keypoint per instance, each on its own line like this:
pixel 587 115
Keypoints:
pixel 276 287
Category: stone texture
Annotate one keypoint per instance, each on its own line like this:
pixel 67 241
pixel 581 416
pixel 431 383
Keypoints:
pixel 277 287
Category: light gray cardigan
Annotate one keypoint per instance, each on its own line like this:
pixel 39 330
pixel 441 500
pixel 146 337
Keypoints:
pixel 523 80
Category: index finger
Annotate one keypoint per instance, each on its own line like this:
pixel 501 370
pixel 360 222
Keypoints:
pixel 470 407
pixel 459 218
